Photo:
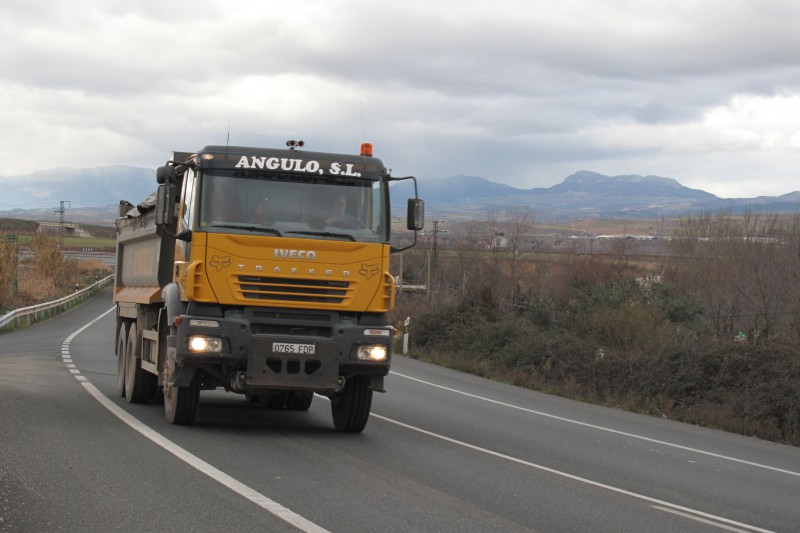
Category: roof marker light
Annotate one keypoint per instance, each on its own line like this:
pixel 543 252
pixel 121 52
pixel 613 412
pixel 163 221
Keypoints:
pixel 292 144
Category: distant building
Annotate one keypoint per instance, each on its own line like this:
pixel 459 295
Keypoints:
pixel 500 240
pixel 55 229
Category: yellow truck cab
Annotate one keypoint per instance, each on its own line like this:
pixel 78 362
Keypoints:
pixel 261 271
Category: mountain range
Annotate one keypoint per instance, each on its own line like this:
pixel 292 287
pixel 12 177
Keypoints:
pixel 81 187
pixel 586 194
pixel 97 191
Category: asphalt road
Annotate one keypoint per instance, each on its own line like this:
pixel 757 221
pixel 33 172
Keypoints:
pixel 443 451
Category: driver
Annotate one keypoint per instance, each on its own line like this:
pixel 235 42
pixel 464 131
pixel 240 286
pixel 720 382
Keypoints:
pixel 259 214
pixel 339 209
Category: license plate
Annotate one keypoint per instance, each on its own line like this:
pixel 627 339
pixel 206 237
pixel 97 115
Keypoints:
pixel 292 348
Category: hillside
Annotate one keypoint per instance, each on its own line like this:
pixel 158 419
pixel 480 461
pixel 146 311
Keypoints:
pixel 81 187
pixel 583 195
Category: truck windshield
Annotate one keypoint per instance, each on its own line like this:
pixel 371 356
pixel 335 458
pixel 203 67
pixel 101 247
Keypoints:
pixel 258 202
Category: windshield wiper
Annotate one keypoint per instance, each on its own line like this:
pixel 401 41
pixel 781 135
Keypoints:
pixel 250 227
pixel 323 234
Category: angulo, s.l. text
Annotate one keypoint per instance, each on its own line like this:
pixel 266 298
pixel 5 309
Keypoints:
pixel 288 164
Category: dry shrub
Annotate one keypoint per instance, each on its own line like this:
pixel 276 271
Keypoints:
pixel 46 276
pixel 634 327
pixel 580 272
pixel 592 328
pixel 8 266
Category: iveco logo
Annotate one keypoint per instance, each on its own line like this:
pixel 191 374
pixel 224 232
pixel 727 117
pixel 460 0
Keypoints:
pixel 281 253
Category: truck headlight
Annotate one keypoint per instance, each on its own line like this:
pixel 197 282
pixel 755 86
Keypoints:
pixel 372 352
pixel 204 344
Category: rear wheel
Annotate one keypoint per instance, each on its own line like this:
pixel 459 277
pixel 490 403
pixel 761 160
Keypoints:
pixel 139 384
pixel 122 342
pixel 180 403
pixel 350 408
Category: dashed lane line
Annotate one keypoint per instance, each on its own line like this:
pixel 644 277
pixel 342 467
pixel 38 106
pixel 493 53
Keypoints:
pixel 192 460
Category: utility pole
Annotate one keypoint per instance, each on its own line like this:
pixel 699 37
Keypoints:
pixel 61 222
pixel 436 231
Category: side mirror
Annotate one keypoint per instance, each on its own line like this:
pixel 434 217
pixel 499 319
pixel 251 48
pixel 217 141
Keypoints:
pixel 166 174
pixel 165 205
pixel 415 216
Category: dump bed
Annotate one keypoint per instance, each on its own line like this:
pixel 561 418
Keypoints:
pixel 144 254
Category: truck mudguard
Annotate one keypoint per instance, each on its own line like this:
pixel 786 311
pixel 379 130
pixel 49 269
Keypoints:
pixel 172 301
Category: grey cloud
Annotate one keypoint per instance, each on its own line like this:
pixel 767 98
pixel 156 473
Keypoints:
pixel 448 88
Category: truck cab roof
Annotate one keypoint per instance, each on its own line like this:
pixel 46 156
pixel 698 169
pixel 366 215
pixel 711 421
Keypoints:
pixel 287 160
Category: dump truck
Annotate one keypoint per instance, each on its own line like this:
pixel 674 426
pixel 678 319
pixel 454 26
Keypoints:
pixel 261 271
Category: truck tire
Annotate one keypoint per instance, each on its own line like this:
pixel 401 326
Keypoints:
pixel 350 408
pixel 299 400
pixel 139 384
pixel 122 342
pixel 180 403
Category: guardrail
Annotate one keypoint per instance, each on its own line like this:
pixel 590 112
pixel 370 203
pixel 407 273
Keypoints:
pixel 20 318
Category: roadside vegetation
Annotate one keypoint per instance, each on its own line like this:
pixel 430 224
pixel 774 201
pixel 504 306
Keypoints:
pixel 40 273
pixel 703 328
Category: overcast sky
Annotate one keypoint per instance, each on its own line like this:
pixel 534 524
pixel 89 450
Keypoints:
pixel 519 92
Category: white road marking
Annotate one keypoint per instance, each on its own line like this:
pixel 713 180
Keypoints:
pixel 601 428
pixel 573 477
pixel 698 519
pixel 273 507
pixel 305 525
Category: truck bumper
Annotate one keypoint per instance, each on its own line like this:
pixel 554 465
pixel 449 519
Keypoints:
pixel 268 349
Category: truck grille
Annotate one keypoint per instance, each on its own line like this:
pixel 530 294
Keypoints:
pixel 293 289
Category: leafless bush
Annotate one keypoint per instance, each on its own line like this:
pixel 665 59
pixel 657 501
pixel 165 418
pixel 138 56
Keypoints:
pixel 579 272
pixel 746 267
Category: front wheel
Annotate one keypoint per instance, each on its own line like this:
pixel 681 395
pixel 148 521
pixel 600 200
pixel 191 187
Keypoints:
pixel 350 408
pixel 180 403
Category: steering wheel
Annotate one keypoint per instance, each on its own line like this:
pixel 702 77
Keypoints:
pixel 349 223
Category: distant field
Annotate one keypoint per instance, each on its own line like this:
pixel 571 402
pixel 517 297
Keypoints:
pixel 72 243
pixel 624 226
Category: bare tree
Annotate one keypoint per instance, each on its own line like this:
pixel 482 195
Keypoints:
pixel 745 266
pixel 519 221
pixel 469 253
pixel 791 247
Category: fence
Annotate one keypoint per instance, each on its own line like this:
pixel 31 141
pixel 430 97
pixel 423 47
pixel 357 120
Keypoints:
pixel 26 316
